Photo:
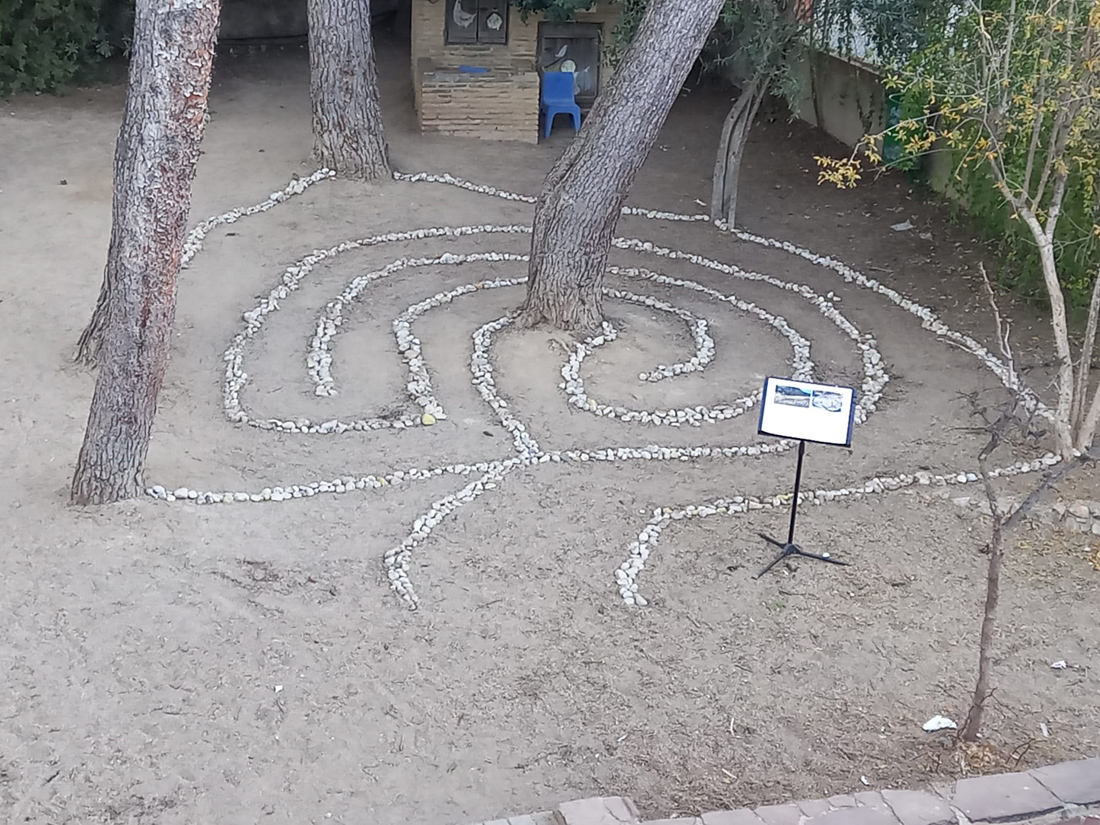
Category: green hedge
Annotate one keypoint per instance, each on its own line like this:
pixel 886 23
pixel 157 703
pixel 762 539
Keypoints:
pixel 44 44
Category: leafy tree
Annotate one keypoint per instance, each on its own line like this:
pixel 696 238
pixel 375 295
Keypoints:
pixel 753 40
pixel 1014 89
pixel 759 42
pixel 883 33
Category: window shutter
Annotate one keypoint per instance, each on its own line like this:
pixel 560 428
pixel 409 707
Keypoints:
pixel 492 21
pixel 462 21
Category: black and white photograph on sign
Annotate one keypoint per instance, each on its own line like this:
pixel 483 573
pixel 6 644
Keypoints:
pixel 808 412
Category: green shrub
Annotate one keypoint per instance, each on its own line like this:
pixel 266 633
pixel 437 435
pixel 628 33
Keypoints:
pixel 1076 249
pixel 46 43
pixel 983 207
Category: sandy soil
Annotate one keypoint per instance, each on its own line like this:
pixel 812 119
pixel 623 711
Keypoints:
pixel 171 663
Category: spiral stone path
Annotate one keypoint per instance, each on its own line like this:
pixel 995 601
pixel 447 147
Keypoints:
pixel 424 408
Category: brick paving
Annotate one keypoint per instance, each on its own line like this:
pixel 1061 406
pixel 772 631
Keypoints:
pixel 1066 794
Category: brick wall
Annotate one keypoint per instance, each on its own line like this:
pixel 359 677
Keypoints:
pixel 498 105
pixel 503 103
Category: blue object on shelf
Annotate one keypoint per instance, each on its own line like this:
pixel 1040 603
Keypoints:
pixel 558 98
pixel 473 69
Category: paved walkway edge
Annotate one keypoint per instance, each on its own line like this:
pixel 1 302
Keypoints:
pixel 1052 794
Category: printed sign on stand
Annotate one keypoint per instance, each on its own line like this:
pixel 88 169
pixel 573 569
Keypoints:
pixel 822 413
pixel 807 412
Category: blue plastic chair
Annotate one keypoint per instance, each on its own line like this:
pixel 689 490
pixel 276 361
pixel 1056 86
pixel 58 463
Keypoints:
pixel 558 99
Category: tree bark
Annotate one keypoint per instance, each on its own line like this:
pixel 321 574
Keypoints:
pixel 1084 369
pixel 731 150
pixel 343 86
pixel 972 728
pixel 158 147
pixel 90 341
pixel 1089 416
pixel 581 198
pixel 1044 240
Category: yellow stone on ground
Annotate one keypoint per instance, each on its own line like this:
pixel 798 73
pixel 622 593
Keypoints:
pixel 427 419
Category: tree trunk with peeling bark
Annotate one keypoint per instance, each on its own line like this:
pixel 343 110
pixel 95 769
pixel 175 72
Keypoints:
pixel 731 150
pixel 343 86
pixel 582 197
pixel 158 147
pixel 1043 233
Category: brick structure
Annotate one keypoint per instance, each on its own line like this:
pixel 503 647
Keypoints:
pixel 500 104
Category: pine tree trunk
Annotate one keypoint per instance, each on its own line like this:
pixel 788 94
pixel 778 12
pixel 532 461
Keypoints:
pixel 158 146
pixel 343 85
pixel 731 150
pixel 581 199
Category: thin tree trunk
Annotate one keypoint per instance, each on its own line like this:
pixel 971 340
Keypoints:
pixel 158 146
pixel 1087 433
pixel 1090 413
pixel 90 341
pixel 973 724
pixel 1084 367
pixel 343 86
pixel 581 199
pixel 731 150
pixel 1043 239
pixel 819 113
pixel 1061 346
pixel 1002 526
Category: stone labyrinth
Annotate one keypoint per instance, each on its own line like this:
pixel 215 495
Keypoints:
pixel 527 451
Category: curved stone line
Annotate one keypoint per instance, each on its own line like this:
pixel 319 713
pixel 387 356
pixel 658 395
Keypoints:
pixel 342 484
pixel 192 242
pixel 626 575
pixel 698 328
pixel 236 378
pixel 574 386
pixel 929 319
pixel 875 375
pixel 460 183
pixel 396 560
pixel 418 384
pixel 492 472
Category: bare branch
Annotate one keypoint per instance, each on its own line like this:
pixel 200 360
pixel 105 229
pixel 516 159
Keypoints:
pixel 1037 123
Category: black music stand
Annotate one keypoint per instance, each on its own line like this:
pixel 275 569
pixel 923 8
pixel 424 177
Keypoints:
pixel 789 548
pixel 805 411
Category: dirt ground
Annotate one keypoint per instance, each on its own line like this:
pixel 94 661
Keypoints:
pixel 165 662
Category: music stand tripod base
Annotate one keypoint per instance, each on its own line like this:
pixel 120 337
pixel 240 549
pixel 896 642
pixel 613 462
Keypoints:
pixel 789 548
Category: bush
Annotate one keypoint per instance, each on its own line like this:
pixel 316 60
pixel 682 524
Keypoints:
pixel 46 43
pixel 1076 250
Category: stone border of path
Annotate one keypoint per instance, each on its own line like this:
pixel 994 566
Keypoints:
pixel 1064 793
